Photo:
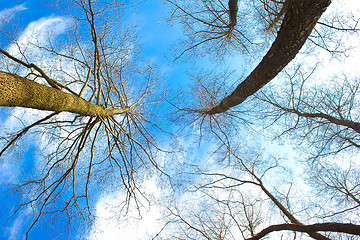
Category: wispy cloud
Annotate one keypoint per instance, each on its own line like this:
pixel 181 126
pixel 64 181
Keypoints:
pixel 38 33
pixel 8 173
pixel 8 13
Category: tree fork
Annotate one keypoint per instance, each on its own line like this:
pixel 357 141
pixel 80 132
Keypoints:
pixel 299 21
pixel 16 91
pixel 296 222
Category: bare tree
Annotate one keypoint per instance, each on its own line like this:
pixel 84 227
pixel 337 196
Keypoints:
pixel 243 204
pixel 97 128
pixel 341 185
pixel 325 119
pixel 330 114
pixel 106 134
pixel 298 23
pixel 213 25
pixel 332 227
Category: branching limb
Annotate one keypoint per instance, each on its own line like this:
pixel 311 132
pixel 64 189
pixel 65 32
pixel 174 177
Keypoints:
pixel 50 81
pixel 25 130
pixel 310 229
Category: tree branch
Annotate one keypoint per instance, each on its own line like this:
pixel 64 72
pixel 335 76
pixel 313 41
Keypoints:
pixel 50 81
pixel 16 91
pixel 233 9
pixel 299 21
pixel 325 227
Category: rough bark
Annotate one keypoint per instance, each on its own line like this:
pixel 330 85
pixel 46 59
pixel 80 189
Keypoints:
pixel 233 9
pixel 299 21
pixel 16 91
pixel 326 227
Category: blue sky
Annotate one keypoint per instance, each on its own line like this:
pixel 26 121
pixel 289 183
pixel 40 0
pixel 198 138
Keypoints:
pixel 157 38
pixel 25 13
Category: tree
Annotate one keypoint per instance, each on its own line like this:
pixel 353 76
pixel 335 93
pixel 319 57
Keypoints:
pixel 271 12
pixel 212 24
pixel 297 25
pixel 325 118
pixel 298 22
pixel 105 134
pixel 329 116
pixel 94 98
pixel 21 92
pixel 239 203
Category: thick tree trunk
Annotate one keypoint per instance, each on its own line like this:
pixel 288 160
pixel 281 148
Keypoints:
pixel 326 227
pixel 233 9
pixel 16 91
pixel 299 21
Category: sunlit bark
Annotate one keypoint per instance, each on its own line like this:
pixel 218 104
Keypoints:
pixel 17 91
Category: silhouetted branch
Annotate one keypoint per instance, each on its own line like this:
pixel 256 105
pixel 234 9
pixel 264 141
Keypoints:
pixel 319 227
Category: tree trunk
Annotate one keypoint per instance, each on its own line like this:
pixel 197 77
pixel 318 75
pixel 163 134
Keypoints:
pixel 233 9
pixel 326 227
pixel 299 21
pixel 16 91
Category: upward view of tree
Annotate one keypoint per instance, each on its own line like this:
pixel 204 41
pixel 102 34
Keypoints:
pixel 107 116
pixel 297 25
pixel 88 104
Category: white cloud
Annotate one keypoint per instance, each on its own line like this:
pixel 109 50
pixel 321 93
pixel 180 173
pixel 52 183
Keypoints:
pixel 139 223
pixel 10 170
pixel 38 33
pixel 16 231
pixel 8 13
pixel 8 173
